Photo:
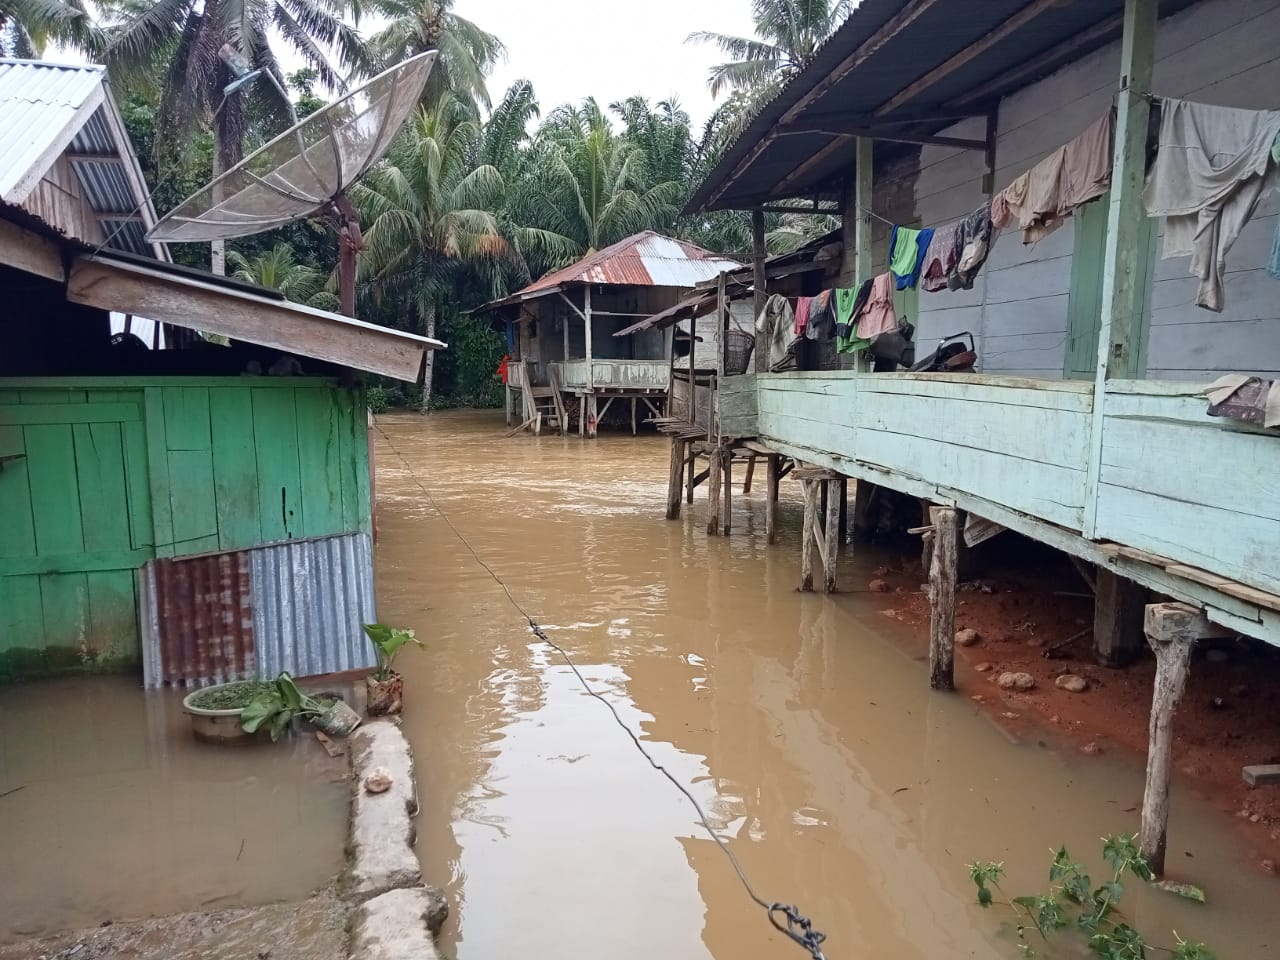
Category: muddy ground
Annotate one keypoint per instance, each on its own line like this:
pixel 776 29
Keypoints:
pixel 313 929
pixel 1033 611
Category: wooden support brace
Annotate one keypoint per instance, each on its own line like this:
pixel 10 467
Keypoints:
pixel 942 599
pixel 1118 607
pixel 713 494
pixel 831 537
pixel 772 474
pixel 751 469
pixel 1172 630
pixel 676 478
pixel 726 458
pixel 807 532
pixel 691 481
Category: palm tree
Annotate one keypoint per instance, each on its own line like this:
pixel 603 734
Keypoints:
pixel 429 211
pixel 788 34
pixel 27 26
pixel 278 269
pixel 173 45
pixel 466 52
pixel 591 186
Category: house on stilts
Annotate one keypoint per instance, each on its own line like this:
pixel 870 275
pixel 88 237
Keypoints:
pixel 566 362
pixel 194 511
pixel 1068 158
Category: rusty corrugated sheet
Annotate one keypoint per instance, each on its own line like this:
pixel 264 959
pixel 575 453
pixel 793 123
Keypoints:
pixel 647 259
pixel 295 606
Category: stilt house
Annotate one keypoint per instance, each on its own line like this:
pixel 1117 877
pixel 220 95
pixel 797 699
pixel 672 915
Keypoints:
pixel 1087 423
pixel 197 514
pixel 566 361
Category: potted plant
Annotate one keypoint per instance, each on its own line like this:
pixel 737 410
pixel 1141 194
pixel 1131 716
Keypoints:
pixel 276 707
pixel 215 711
pixel 385 686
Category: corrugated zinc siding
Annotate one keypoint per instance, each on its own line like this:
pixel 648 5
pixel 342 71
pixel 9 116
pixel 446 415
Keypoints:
pixel 37 101
pixel 295 606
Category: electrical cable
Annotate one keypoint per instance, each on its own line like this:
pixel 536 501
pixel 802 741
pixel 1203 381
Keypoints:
pixel 786 919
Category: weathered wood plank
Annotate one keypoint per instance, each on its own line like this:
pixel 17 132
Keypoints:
pixel 318 463
pixel 675 479
pixel 17 532
pixel 1118 607
pixel 55 498
pixel 235 467
pixel 807 533
pixel 158 471
pixel 52 411
pixel 113 620
pixel 64 599
pixel 280 504
pixel 831 537
pixel 714 466
pixel 771 498
pixel 195 512
pixel 942 598
pixel 104 505
pixel 21 613
pixel 73 562
pixel 186 418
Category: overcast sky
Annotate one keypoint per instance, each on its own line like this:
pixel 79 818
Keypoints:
pixel 608 49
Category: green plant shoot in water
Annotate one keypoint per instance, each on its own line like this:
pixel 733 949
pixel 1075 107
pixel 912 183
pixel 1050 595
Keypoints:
pixel 388 641
pixel 1073 902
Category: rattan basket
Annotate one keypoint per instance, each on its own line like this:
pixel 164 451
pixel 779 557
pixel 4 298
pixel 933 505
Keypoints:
pixel 737 351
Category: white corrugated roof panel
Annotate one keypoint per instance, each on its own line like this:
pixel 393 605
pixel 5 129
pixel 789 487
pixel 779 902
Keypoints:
pixel 37 102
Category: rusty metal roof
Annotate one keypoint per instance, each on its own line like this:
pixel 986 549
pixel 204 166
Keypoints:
pixel 48 108
pixel 646 259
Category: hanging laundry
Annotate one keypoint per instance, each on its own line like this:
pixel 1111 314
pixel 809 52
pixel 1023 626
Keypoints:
pixel 1213 166
pixel 775 331
pixel 906 254
pixel 941 258
pixel 802 315
pixel 822 317
pixel 976 235
pixel 877 314
pixel 1032 201
pixel 1086 164
pixel 1240 397
pixel 849 304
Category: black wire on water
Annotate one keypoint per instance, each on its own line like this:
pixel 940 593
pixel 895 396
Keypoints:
pixel 786 919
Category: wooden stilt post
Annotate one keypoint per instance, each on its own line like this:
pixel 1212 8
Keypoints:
pixel 863 492
pixel 676 479
pixel 691 473
pixel 633 416
pixel 593 415
pixel 507 403
pixel 751 469
pixel 1118 607
pixel 582 415
pixel 727 480
pixel 714 467
pixel 822 502
pixel 831 537
pixel 772 468
pixel 844 511
pixel 942 599
pixel 806 533
pixel 759 285
pixel 1171 629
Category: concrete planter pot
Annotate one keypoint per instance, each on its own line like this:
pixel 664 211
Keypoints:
pixel 218 727
pixel 385 697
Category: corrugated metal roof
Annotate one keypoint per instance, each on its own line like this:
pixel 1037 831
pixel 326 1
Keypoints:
pixel 295 606
pixel 892 45
pixel 647 259
pixel 38 101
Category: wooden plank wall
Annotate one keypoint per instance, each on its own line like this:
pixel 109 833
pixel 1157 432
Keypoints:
pixel 1021 443
pixel 738 402
pixel 239 465
pixel 1194 488
pixel 111 475
pixel 1218 51
pixel 75 522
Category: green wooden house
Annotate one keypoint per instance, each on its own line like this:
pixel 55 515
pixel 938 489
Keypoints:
pixel 202 513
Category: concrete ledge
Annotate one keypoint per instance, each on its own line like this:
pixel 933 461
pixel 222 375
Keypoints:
pixel 399 925
pixel 382 831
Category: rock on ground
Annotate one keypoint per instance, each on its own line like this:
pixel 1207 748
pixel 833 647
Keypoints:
pixel 382 831
pixel 399 925
pixel 967 637
pixel 1016 681
pixel 1071 683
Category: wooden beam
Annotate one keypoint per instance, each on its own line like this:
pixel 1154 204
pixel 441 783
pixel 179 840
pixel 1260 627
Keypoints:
pixel 834 127
pixel 1120 334
pixel 30 252
pixel 806 533
pixel 942 599
pixel 908 15
pixel 726 458
pixel 831 536
pixel 968 54
pixel 819 157
pixel 198 305
pixel 1118 606
pixel 675 480
pixel 772 476
pixel 792 208
pixel 715 465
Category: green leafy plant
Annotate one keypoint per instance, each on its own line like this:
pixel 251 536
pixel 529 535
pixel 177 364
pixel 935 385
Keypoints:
pixel 1072 901
pixel 276 707
pixel 388 641
pixel 377 399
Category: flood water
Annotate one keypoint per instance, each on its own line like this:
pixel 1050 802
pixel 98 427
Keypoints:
pixel 109 810
pixel 803 723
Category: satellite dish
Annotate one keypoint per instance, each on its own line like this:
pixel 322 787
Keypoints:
pixel 306 170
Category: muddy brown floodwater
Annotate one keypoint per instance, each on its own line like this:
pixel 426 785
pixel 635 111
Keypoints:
pixel 840 781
